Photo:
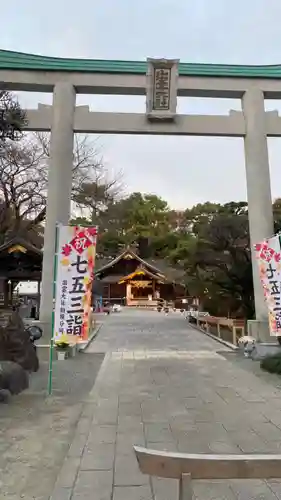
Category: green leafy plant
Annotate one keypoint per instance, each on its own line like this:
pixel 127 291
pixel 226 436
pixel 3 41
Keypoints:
pixel 62 346
pixel 62 343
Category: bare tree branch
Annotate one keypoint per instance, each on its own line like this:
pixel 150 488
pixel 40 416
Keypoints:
pixel 24 179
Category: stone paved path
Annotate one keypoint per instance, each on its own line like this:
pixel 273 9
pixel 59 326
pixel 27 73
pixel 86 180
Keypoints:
pixel 166 386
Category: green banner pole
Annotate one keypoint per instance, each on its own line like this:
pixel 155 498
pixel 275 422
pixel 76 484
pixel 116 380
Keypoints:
pixel 51 356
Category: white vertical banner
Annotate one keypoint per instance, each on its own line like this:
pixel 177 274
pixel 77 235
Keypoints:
pixel 268 254
pixel 76 249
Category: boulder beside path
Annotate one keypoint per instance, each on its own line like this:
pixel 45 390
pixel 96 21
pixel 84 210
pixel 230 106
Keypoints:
pixel 17 355
pixel 15 344
pixel 13 379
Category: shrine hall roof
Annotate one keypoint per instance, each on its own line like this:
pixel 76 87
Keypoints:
pixel 171 273
pixel 159 267
pixel 10 60
pixel 20 242
pixel 142 269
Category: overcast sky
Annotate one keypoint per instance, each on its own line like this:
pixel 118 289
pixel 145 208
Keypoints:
pixel 187 170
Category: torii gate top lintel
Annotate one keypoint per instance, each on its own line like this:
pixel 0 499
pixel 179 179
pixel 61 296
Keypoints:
pixel 33 62
pixel 30 72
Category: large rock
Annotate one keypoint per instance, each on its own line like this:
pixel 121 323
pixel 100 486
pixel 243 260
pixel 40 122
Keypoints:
pixel 13 379
pixel 15 344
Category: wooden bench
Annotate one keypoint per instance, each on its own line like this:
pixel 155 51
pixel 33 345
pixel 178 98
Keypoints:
pixel 235 326
pixel 185 467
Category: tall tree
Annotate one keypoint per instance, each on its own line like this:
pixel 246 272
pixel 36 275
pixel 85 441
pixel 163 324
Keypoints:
pixel 138 215
pixel 220 260
pixel 277 214
pixel 200 214
pixel 12 118
pixel 96 194
pixel 138 218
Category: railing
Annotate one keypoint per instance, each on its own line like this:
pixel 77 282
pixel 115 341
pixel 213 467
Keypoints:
pixel 143 302
pixel 116 300
pixel 185 467
pixel 226 329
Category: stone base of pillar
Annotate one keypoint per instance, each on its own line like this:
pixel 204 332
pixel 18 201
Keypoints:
pixel 260 331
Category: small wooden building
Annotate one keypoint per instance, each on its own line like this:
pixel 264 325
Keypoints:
pixel 19 261
pixel 133 281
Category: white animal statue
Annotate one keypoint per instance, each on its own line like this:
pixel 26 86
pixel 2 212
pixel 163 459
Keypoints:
pixel 116 308
pixel 248 344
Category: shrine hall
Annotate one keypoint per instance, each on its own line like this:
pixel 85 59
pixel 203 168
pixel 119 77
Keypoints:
pixel 133 281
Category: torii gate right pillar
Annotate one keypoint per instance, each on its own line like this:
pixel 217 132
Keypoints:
pixel 259 197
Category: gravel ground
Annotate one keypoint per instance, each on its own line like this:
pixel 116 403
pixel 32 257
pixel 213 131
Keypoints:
pixel 36 430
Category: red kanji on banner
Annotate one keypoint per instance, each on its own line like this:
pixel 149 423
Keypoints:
pixel 80 242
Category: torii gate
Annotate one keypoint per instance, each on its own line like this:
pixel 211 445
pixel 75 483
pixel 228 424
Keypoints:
pixel 161 80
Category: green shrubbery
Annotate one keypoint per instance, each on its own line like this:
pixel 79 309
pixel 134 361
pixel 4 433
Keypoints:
pixel 272 364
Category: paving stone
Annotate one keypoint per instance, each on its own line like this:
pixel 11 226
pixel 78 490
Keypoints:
pixel 99 457
pixel 61 494
pixel 221 447
pixel 102 434
pixel 165 489
pixel 273 416
pixel 252 490
pixel 107 411
pixel 213 490
pixel 195 445
pixel 95 483
pixel 275 486
pixel 132 424
pixel 84 425
pixel 166 446
pixel 127 473
pixel 267 431
pixel 68 473
pixel 77 446
pixel 88 410
pixel 248 441
pixel 228 394
pixel 127 440
pixel 201 416
pixel 132 493
pixel 157 432
pixel 129 409
pixel 152 417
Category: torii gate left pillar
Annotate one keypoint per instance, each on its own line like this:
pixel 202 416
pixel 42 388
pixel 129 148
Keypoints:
pixel 59 190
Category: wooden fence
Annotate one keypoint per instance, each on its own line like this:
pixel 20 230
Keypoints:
pixel 226 329
pixel 185 467
pixel 143 303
